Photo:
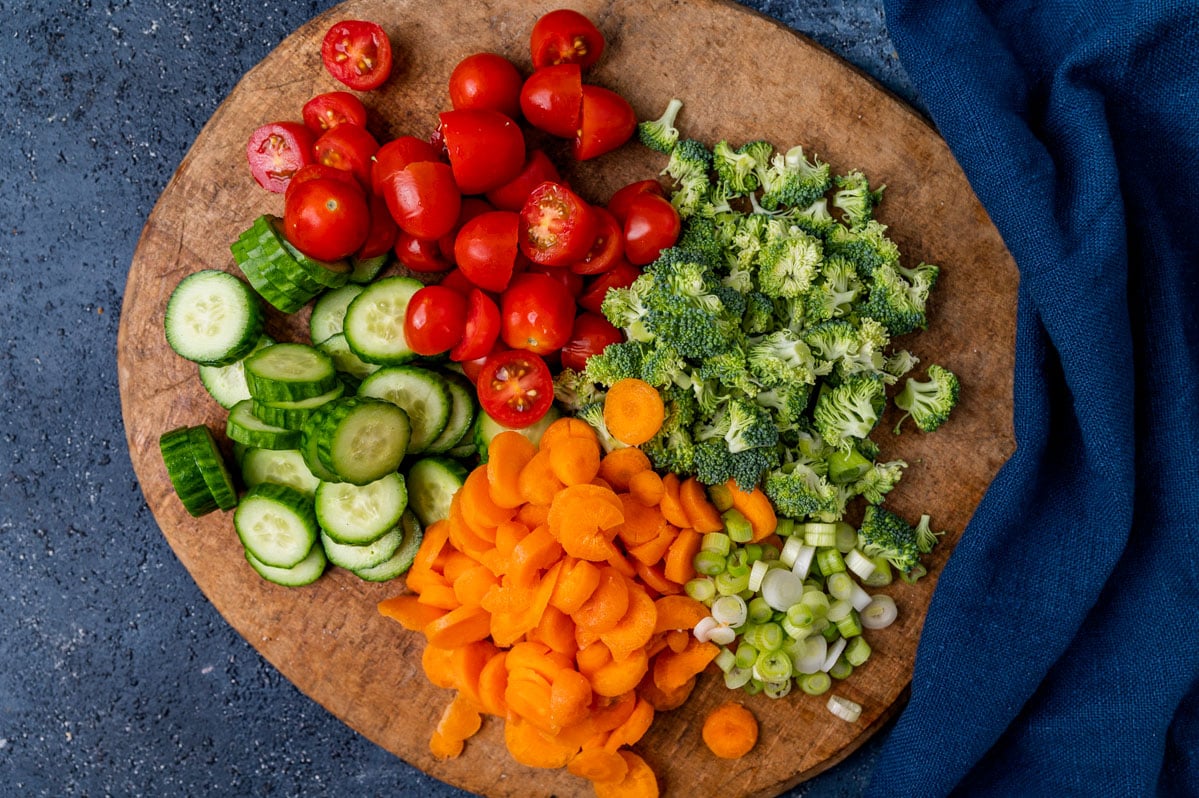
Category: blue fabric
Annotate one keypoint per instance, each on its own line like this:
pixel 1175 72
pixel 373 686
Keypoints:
pixel 1061 652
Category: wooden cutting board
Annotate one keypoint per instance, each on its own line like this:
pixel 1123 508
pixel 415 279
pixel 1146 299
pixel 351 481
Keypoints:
pixel 741 77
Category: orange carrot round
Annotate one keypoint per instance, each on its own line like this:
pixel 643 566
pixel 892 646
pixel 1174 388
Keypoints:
pixel 575 461
pixel 646 487
pixel 730 731
pixel 756 508
pixel 701 512
pixel 619 465
pixel 633 411
pixel 597 764
pixel 638 782
pixel 507 454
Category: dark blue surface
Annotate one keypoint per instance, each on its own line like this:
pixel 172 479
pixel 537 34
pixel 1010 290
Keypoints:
pixel 116 675
pixel 1078 125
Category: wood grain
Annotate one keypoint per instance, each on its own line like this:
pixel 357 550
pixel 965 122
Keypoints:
pixel 742 77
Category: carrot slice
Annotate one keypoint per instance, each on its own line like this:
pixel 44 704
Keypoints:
pixel 437 664
pixel 407 610
pixel 678 612
pixel 464 536
pixel 477 507
pixel 585 521
pixel 460 720
pixel 620 676
pixel 507 455
pixel 654 550
pixel 444 747
pixel 730 731
pixel 533 515
pixel 700 512
pixel 556 630
pixel 604 608
pixel 563 428
pixel 598 764
pixel 646 487
pixel 575 461
pixel 467 664
pixel 535 748
pixel 538 485
pixel 528 696
pixel 620 465
pixel 633 411
pixel 677 640
pixel 641 523
pixel 670 505
pixel 638 782
pixel 679 566
pixel 493 681
pixel 441 596
pixel 634 727
pixel 536 551
pixel 663 700
pixel 672 669
pixel 608 712
pixel 655 579
pixel 635 627
pixel 537 657
pixel 570 697
pixel 756 508
pixel 576 582
pixel 459 627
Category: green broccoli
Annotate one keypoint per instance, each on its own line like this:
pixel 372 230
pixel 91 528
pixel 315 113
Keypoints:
pixel 781 358
pixel 672 451
pixel 855 199
pixel 868 357
pixel 734 169
pixel 573 390
pixel 793 181
pixel 929 402
pixel 897 364
pixel 746 241
pixel 884 534
pixel 660 134
pixel 593 414
pixel 788 402
pixel 867 247
pixel 834 292
pixel 689 160
pixel 814 219
pixel 798 491
pixel 789 260
pixel 926 538
pixel 750 426
pixel 848 412
pixel 759 314
pixel 713 462
pixel 832 341
pixel 878 480
pixel 730 369
pixel 617 362
pixel 698 237
pixel 627 310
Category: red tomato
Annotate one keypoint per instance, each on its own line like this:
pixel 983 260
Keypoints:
pixel 651 226
pixel 276 151
pixel 565 37
pixel 572 282
pixel 621 275
pixel 485 249
pixel 455 280
pixel 395 155
pixel 381 236
pixel 607 121
pixel 424 199
pixel 557 226
pixel 347 147
pixel 486 148
pixel 536 313
pixel 482 328
pixel 488 81
pixel 591 333
pixel 327 111
pixel 326 219
pixel 512 195
pixel 357 53
pixel 618 205
pixel 435 320
pixel 607 249
pixel 515 388
pixel 420 254
pixel 312 171
pixel 552 100
pixel 471 207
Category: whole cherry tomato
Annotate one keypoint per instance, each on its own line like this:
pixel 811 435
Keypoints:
pixel 395 155
pixel 435 320
pixel 381 236
pixel 557 226
pixel 420 254
pixel 276 151
pixel 327 111
pixel 357 53
pixel 552 100
pixel 312 171
pixel 536 313
pixel 485 249
pixel 511 196
pixel 326 219
pixel 592 332
pixel 565 37
pixel 651 226
pixel 607 249
pixel 515 387
pixel 423 199
pixel 486 148
pixel 621 275
pixel 348 147
pixel 488 81
pixel 618 205
pixel 607 121
pixel 482 328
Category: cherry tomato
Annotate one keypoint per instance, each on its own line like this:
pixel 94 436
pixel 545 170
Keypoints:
pixel 591 333
pixel 435 320
pixel 488 81
pixel 552 100
pixel 607 121
pixel 485 249
pixel 276 151
pixel 571 281
pixel 486 148
pixel 312 171
pixel 565 37
pixel 424 199
pixel 536 313
pixel 512 195
pixel 607 249
pixel 347 147
pixel 455 280
pixel 357 53
pixel 482 328
pixel 515 387
pixel 381 236
pixel 621 275
pixel 327 111
pixel 471 207
pixel 326 219
pixel 420 254
pixel 651 226
pixel 395 155
pixel 618 205
pixel 557 226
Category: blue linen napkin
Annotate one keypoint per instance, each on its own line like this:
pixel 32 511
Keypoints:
pixel 1061 651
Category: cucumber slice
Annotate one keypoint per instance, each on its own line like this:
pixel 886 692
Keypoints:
pixel 276 524
pixel 307 571
pixel 401 561
pixel 329 312
pixel 360 439
pixel 227 384
pixel 184 472
pixel 246 428
pixel 288 372
pixel 212 318
pixel 462 413
pixel 212 467
pixel 356 515
pixel 487 428
pixel 308 446
pixel 432 483
pixel 258 252
pixel 366 269
pixel 344 359
pixel 292 415
pixel 281 467
pixel 422 394
pixel 354 558
pixel 374 321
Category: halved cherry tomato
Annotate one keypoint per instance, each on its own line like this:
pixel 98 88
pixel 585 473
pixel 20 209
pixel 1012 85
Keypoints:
pixel 515 388
pixel 311 171
pixel 571 281
pixel 565 37
pixel 511 196
pixel 471 207
pixel 536 313
pixel 486 80
pixel 618 205
pixel 327 111
pixel 607 249
pixel 485 249
pixel 552 100
pixel 326 219
pixel 455 280
pixel 621 275
pixel 348 147
pixel 395 155
pixel 435 320
pixel 381 236
pixel 607 121
pixel 357 53
pixel 486 148
pixel 592 332
pixel 423 199
pixel 652 225
pixel 482 328
pixel 276 151
pixel 557 226
pixel 420 254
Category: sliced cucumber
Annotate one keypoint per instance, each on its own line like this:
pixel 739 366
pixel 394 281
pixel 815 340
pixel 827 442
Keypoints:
pixel 359 439
pixel 487 428
pixel 227 384
pixel 292 415
pixel 281 467
pixel 432 483
pixel 329 312
pixel 260 254
pixel 462 413
pixel 355 558
pixel 422 394
pixel 307 571
pixel 366 269
pixel 374 321
pixel 401 561
pixel 356 515
pixel 213 318
pixel 212 467
pixel 288 372
pixel 246 428
pixel 184 472
pixel 276 524
pixel 344 359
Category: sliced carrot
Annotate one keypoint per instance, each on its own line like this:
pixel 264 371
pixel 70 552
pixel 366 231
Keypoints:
pixel 633 411
pixel 634 727
pixel 467 663
pixel 641 523
pixel 536 551
pixel 654 550
pixel 508 534
pixel 477 507
pixel 441 596
pixel 535 748
pixel 538 485
pixel 756 508
pixel 700 511
pixel 566 427
pixel 570 697
pixel 434 540
pixel 537 657
pixel 654 578
pixel 608 712
pixel 622 564
pixel 528 695
pixel 679 566
pixel 672 669
pixel 576 582
pixel 533 515
pixel 444 747
pixel 464 536
pixel 638 782
pixel 598 764
pixel 493 681
pixel 507 455
pixel 730 731
pixel 663 700
pixel 635 627
pixel 646 487
pixel 620 465
pixel 604 608
pixel 679 612
pixel 556 630
pixel 460 720
pixel 407 610
pixel 456 564
pixel 437 663
pixel 670 505
pixel 575 461
pixel 677 640
pixel 459 627
pixel 620 676
pixel 585 521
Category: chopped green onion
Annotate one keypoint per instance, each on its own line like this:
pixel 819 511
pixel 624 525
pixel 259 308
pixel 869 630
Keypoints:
pixel 791 551
pixel 841 668
pixel 728 584
pixel 754 686
pixel 817 601
pixel 759 610
pixel 703 628
pixel 746 655
pixel 726 660
pixel 722 636
pixel 717 542
pixel 850 626
pixel 858 597
pixel 803 560
pixel 828 631
pixel 840 586
pixel 843 708
pixel 767 636
pixel 861 565
pixel 819 534
pixel 882 573
pixel 721 496
pixel 857 651
pixel 830 561
pixel 737 677
pixel 754 552
pixel 880 613
pixel 847 537
pixel 729 610
pixel 781 589
pixel 756 574
pixel 795 631
pixel 709 563
pixel 770 552
pixel 811 658
pixel 834 653
pixel 801 614
pixel 737 563
pixel 777 689
pixel 839 609
pixel 702 589
pixel 772 666
pixel 785 527
pixel 737 526
pixel 815 683
pixel 845 467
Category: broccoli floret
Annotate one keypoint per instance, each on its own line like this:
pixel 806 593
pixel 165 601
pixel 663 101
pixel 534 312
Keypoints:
pixel 781 358
pixel 799 492
pixel 884 534
pixel 681 277
pixel 730 369
pixel 814 219
pixel 926 538
pixel 749 465
pixel 732 300
pixel 848 412
pixel 745 242
pixel 672 451
pixel 878 481
pixel 787 401
pixel 593 414
pixel 898 364
pixel 734 169
pixel 689 196
pixel 573 390
pixel 759 314
pixel 867 247
pixel 898 303
pixel 789 260
pixel 713 462
pixel 750 426
pixel 627 310
pixel 708 394
pixel 868 358
pixel 617 362
pixel 922 276
pixel 660 134
pixel 699 237
pixel 694 332
pixel 793 181
pixel 855 199
pixel 929 402
pixel 662 367
pixel 689 160
pixel 833 295
pixel 831 341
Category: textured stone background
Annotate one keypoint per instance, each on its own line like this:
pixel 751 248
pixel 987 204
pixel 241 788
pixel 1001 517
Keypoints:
pixel 116 675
